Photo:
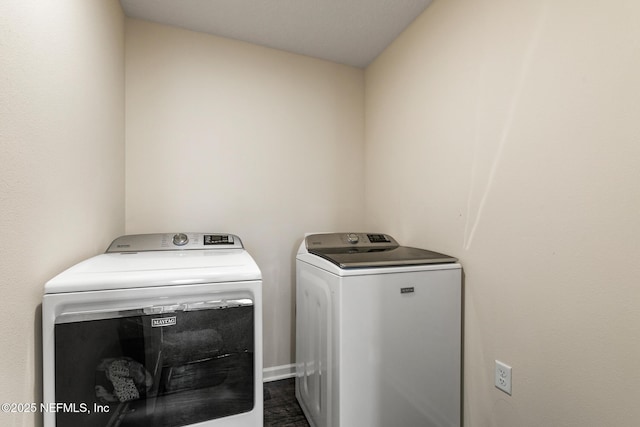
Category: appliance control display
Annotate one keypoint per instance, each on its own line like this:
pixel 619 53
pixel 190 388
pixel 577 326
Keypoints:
pixel 378 238
pixel 217 239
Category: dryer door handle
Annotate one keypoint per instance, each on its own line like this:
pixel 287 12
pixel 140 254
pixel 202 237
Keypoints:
pixel 160 309
pixel 101 314
pixel 218 304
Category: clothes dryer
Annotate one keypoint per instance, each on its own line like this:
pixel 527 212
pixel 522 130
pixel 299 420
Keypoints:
pixel 378 333
pixel 162 330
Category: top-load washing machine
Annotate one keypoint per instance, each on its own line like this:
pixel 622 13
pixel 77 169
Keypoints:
pixel 162 330
pixel 378 333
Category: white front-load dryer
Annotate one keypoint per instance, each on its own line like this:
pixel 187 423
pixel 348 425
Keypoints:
pixel 162 330
pixel 378 333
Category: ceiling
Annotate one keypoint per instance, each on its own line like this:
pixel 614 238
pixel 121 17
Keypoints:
pixel 352 32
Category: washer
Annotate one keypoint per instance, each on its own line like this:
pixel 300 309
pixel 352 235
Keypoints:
pixel 162 330
pixel 378 333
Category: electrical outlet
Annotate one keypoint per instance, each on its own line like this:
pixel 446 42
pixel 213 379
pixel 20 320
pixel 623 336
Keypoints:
pixel 503 377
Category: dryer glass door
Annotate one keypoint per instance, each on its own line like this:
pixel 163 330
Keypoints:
pixel 161 366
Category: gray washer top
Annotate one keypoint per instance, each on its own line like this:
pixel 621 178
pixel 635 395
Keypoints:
pixel 361 250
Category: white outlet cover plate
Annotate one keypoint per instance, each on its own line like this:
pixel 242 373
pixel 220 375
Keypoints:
pixel 503 377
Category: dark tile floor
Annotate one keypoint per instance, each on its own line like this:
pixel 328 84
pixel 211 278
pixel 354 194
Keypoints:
pixel 281 409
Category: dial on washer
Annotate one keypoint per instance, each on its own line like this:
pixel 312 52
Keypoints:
pixel 352 238
pixel 180 239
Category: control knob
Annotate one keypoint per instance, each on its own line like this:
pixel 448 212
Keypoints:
pixel 180 239
pixel 353 238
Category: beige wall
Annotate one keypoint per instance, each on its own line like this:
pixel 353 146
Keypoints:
pixel 506 133
pixel 231 137
pixel 502 132
pixel 61 164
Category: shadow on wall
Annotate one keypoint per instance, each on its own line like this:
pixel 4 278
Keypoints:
pixel 293 254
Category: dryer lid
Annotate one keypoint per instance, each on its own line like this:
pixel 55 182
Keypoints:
pixel 152 260
pixel 360 250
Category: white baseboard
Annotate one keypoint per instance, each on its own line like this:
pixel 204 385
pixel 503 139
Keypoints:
pixel 275 373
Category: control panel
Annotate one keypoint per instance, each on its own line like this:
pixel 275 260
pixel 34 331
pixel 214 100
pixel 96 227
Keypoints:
pixel 174 241
pixel 350 240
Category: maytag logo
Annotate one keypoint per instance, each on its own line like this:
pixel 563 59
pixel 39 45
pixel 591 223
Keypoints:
pixel 407 290
pixel 163 321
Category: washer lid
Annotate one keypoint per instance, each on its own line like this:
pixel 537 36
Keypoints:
pixel 359 250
